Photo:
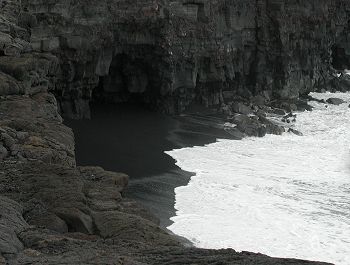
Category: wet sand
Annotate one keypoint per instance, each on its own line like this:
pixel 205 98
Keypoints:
pixel 132 139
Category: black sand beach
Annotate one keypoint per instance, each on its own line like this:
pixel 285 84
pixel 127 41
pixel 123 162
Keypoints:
pixel 132 139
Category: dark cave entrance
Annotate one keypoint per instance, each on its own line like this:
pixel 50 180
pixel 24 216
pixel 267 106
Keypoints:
pixel 340 51
pixel 126 118
pixel 340 58
pixel 129 81
pixel 128 129
pixel 125 134
pixel 128 133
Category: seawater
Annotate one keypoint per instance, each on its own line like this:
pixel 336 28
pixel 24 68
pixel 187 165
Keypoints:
pixel 283 196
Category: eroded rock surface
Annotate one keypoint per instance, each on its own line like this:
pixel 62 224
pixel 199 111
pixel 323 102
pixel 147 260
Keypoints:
pixel 169 53
pixel 249 57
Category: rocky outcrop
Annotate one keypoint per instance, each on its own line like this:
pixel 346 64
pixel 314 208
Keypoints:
pixel 32 129
pixel 57 56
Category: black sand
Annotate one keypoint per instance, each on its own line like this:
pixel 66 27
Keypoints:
pixel 131 139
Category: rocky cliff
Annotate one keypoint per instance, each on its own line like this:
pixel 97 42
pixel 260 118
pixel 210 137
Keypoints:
pixel 58 55
pixel 170 53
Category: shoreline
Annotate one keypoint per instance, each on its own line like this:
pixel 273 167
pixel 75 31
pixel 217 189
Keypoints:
pixel 51 204
pixel 129 138
pixel 133 140
pixel 193 221
pixel 56 57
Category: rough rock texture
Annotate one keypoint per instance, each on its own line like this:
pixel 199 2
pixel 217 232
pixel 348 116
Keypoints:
pixel 52 214
pixel 169 53
pixel 32 129
pixel 241 56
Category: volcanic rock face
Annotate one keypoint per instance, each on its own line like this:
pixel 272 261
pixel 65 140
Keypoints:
pixel 169 53
pixel 32 129
pixel 166 54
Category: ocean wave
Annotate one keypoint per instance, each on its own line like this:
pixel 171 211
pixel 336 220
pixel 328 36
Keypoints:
pixel 284 196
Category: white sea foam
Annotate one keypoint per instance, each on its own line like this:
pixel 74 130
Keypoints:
pixel 284 196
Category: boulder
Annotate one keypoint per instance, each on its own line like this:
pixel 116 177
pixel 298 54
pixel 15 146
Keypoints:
pixel 249 125
pixel 296 132
pixel 271 127
pixel 335 101
pixel 302 105
pixel 278 111
pixel 239 107
pixel 124 226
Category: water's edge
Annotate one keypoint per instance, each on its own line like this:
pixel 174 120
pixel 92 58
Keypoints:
pixel 218 208
pixel 133 140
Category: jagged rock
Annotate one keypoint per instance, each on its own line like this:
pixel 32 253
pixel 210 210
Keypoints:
pixel 303 105
pixel 278 111
pixel 339 83
pixel 124 226
pixel 296 132
pixel 271 128
pixel 310 98
pixel 240 107
pixel 249 125
pixel 9 86
pixel 11 221
pixel 286 105
pixel 37 132
pixel 117 181
pixel 235 133
pixel 289 118
pixel 31 70
pixel 335 101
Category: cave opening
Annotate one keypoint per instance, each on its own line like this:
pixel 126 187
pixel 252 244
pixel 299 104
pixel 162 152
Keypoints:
pixel 129 81
pixel 126 131
pixel 340 58
pixel 340 51
pixel 126 134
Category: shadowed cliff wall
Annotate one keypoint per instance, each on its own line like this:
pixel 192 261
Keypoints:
pixel 165 54
pixel 169 53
